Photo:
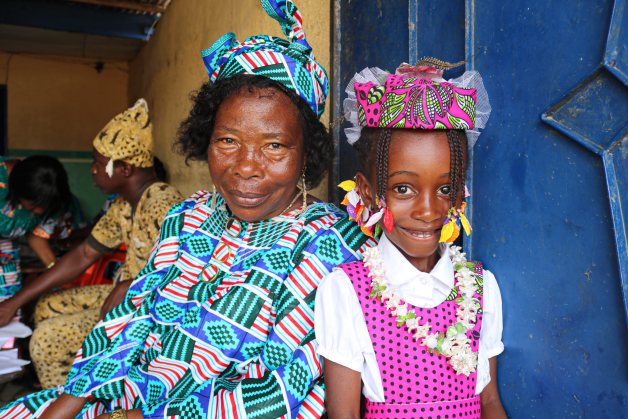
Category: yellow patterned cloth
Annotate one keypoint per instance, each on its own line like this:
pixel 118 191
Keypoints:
pixel 63 318
pixel 137 228
pixel 128 137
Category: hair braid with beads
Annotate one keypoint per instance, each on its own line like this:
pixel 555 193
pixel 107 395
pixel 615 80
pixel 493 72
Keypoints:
pixel 453 172
pixel 383 145
pixel 457 145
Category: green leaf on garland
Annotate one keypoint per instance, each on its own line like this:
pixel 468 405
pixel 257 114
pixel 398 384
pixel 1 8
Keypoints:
pixel 452 331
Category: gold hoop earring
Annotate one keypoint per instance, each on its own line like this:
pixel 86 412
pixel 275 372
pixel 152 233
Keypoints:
pixel 304 191
pixel 214 198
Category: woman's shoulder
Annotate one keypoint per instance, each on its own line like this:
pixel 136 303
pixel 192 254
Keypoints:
pixel 161 191
pixel 196 201
pixel 323 219
pixel 4 171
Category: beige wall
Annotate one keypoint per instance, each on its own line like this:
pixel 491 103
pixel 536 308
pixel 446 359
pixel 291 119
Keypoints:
pixel 170 66
pixel 60 103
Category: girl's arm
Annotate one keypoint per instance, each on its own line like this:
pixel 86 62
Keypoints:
pixel 42 248
pixel 342 391
pixel 491 403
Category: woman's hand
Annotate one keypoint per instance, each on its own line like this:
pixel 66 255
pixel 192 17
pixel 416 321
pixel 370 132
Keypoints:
pixel 7 311
pixel 66 406
pixel 42 248
pixel 68 268
pixel 115 298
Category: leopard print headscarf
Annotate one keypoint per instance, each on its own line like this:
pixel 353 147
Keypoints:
pixel 128 137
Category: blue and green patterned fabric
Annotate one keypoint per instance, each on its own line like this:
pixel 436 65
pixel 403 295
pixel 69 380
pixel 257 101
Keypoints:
pixel 220 322
pixel 291 63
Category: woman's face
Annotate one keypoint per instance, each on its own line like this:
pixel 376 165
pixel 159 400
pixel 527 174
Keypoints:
pixel 418 190
pixel 256 153
pixel 101 179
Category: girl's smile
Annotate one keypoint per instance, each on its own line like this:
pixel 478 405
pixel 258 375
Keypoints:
pixel 420 235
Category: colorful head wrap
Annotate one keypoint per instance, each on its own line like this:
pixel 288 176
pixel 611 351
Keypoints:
pixel 290 62
pixel 411 102
pixel 128 137
pixel 416 98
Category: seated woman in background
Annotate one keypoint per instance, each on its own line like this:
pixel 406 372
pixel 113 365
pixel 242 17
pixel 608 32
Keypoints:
pixel 123 164
pixel 220 322
pixel 77 236
pixel 35 201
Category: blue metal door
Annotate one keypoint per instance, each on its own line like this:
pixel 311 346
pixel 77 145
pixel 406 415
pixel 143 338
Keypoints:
pixel 541 209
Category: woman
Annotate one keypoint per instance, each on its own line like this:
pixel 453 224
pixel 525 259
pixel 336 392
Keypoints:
pixel 220 322
pixel 35 200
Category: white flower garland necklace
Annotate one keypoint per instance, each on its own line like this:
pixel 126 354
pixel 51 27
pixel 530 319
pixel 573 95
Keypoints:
pixel 453 343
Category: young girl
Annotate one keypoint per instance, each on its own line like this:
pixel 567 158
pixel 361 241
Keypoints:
pixel 415 323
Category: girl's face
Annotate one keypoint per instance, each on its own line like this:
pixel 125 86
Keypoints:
pixel 417 193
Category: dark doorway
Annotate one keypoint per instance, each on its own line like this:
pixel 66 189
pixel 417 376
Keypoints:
pixel 3 120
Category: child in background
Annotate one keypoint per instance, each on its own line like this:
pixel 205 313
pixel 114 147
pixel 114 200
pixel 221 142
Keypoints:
pixel 415 322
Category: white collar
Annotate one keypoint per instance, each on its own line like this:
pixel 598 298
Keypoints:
pixel 399 270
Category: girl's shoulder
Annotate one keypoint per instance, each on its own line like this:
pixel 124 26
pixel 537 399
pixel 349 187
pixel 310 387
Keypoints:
pixel 337 285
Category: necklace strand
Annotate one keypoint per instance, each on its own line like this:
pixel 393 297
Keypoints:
pixel 453 343
pixel 293 201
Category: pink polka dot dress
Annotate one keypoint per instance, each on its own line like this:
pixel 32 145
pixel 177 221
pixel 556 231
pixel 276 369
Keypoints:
pixel 417 383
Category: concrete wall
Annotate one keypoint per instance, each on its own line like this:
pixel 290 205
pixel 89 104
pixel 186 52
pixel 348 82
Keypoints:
pixel 170 66
pixel 60 103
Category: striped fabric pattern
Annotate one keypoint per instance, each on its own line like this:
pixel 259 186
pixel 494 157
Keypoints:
pixel 241 346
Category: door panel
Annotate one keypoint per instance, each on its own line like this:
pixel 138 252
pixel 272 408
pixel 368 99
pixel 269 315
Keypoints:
pixel 542 217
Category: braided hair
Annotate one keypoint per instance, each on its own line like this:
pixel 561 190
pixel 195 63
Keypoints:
pixel 380 139
pixel 457 144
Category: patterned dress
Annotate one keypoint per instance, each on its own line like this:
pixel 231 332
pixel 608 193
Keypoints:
pixel 428 387
pixel 219 323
